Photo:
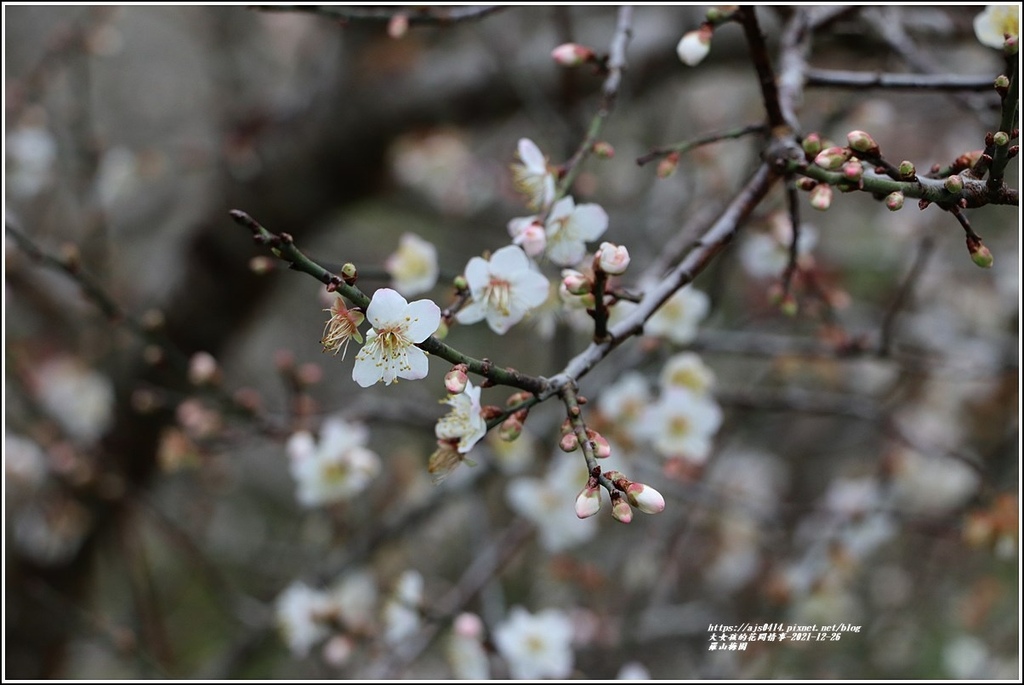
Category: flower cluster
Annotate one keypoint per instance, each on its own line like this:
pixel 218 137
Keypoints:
pixel 336 467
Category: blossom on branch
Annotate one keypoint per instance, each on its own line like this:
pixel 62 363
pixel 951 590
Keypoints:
pixel 390 351
pixel 570 227
pixel 997 23
pixel 336 467
pixel 682 424
pixel 678 317
pixel 464 422
pixel 504 288
pixel 532 176
pixel 341 327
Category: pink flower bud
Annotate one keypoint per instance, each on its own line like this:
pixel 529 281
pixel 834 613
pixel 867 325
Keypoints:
pixel 398 25
pixel 954 184
pixel 468 625
pixel 203 369
pixel 572 55
pixel 576 283
pixel 812 144
pixel 511 428
pixel 533 239
pixel 832 158
pixel 568 442
pixel 894 201
pixel 645 498
pixel 455 380
pixel 980 254
pixel 620 509
pixel 588 502
pixel 612 259
pixel 694 46
pixel 852 170
pixel 599 443
pixel 821 197
pixel 862 142
pixel 604 149
pixel 667 166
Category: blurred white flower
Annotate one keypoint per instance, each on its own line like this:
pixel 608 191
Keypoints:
pixel 80 399
pixel 633 670
pixel 354 598
pixel 687 370
pixel 413 268
pixel 682 424
pixel 549 503
pixel 569 227
pixel 537 645
pixel 30 154
pixel 995 23
pixel 336 467
pixel 966 658
pixel 464 422
pixel 390 351
pixel 300 611
pixel 25 466
pixel 401 612
pixel 766 255
pixel 50 529
pixel 931 486
pixel 504 288
pixel 625 401
pixel 679 316
pixel 532 176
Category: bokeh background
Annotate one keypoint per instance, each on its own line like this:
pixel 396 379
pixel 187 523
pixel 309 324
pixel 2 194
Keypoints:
pixel 150 523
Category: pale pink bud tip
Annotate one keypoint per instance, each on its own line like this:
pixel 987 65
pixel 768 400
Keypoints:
pixel 853 170
pixel 575 282
pixel 861 141
pixel 645 498
pixel 894 201
pixel 694 46
pixel 612 259
pixel 468 625
pixel 202 368
pixel 600 444
pixel 621 510
pixel 568 443
pixel 832 158
pixel 821 197
pixel 954 184
pixel 982 256
pixel 455 380
pixel 572 55
pixel 588 502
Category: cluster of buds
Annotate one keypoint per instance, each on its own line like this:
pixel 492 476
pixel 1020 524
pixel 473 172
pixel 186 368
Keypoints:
pixel 625 496
pixel 611 259
pixel 570 443
pixel 512 427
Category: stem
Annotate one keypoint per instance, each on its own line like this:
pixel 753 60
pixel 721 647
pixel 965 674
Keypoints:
pixel 687 145
pixel 747 16
pixel 838 78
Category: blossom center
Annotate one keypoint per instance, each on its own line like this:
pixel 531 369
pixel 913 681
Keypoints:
pixel 499 295
pixel 678 426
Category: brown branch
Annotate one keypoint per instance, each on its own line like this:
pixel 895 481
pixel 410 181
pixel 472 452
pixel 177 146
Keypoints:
pixel 747 17
pixel 417 15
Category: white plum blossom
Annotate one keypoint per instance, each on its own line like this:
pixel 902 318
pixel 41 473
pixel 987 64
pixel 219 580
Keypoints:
pixel 766 255
pixel 682 424
pixel 503 289
pixel 354 599
pixel 931 486
pixel 537 645
pixel 337 467
pixel 549 503
pixel 25 465
pixel 687 370
pixel 528 233
pixel 532 176
pixel 694 46
pixel 401 612
pixel 613 259
pixel 569 227
pixel 390 351
pixel 300 611
pixel 464 422
pixel 678 317
pixel 30 152
pixel 992 26
pixel 625 402
pixel 633 670
pixel 413 267
pixel 80 399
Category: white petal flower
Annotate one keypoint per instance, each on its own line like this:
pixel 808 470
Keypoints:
pixel 464 422
pixel 78 398
pixel 678 317
pixel 354 599
pixel 390 351
pixel 682 424
pixel 570 227
pixel 336 468
pixel 687 370
pixel 503 289
pixel 532 177
pixel 401 614
pixel 537 645
pixel 299 611
pixel 997 21
pixel 413 267
pixel 693 47
pixel 550 503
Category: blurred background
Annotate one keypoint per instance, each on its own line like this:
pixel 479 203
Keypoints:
pixel 151 517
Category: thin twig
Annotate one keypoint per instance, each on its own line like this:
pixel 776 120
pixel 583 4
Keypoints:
pixel 417 15
pixel 899 301
pixel 747 16
pixel 706 139
pixel 838 78
pixel 793 202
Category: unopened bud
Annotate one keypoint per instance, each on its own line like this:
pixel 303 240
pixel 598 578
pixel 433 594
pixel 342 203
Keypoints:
pixel 572 55
pixel 806 184
pixel 811 144
pixel 1012 46
pixel 1001 138
pixel 894 201
pixel 398 25
pixel 460 283
pixel 907 169
pixel 1002 83
pixel 620 509
pixel 309 374
pixel 832 158
pixel 694 46
pixel 980 254
pixel 261 264
pixel 954 184
pixel 852 170
pixel 468 625
pixel 511 428
pixel 612 259
pixel 720 13
pixel 862 142
pixel 568 442
pixel 667 166
pixel 533 239
pixel 576 283
pixel 645 498
pixel 821 197
pixel 604 149
pixel 349 274
pixel 599 443
pixel 588 502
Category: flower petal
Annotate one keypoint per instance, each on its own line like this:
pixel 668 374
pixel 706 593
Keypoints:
pixel 531 155
pixel 531 290
pixel 423 317
pixel 416 363
pixel 591 221
pixel 478 274
pixel 386 307
pixel 471 313
pixel 508 260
